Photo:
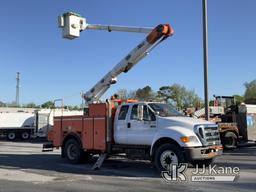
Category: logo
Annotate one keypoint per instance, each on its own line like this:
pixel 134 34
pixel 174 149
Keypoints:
pixel 181 173
pixel 176 173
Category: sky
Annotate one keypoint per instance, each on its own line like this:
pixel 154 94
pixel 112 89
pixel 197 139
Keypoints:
pixel 52 67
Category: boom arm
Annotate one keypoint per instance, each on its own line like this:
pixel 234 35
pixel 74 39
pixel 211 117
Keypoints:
pixel 72 24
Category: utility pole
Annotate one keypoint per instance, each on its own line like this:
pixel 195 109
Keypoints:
pixel 205 43
pixel 18 89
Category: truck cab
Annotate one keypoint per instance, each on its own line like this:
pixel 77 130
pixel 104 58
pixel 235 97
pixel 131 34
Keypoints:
pixel 168 134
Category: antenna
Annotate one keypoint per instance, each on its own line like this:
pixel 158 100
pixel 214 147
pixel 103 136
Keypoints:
pixel 18 89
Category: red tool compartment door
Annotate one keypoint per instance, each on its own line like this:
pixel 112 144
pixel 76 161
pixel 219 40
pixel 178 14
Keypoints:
pixel 87 136
pixel 99 133
pixel 57 132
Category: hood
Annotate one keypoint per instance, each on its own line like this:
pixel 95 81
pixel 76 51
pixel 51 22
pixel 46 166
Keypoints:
pixel 182 121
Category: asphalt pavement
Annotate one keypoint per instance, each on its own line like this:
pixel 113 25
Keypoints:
pixel 23 167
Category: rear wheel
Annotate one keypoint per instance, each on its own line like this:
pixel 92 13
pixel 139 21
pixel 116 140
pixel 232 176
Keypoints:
pixel 167 155
pixel 25 135
pixel 11 136
pixel 73 152
pixel 229 141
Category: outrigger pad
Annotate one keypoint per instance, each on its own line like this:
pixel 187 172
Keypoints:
pixel 100 161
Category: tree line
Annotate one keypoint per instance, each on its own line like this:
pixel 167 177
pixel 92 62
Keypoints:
pixel 176 94
pixel 181 97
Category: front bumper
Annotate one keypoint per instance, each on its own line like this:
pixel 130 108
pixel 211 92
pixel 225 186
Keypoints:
pixel 201 153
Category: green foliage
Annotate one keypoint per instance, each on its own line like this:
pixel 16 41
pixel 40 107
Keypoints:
pixel 211 103
pixel 145 94
pixel 48 104
pixel 179 96
pixel 250 92
pixel 239 99
pixel 124 94
pixel 31 105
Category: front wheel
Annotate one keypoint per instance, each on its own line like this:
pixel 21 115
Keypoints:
pixel 73 152
pixel 166 156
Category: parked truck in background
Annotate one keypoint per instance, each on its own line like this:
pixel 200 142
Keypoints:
pixel 29 123
pixel 234 126
pixel 236 122
pixel 141 130
pixel 17 125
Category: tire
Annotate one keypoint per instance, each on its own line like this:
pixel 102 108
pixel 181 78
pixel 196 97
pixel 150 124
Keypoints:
pixel 167 155
pixel 25 135
pixel 202 163
pixel 229 140
pixel 73 152
pixel 11 136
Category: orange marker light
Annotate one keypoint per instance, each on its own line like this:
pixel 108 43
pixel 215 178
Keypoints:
pixel 184 139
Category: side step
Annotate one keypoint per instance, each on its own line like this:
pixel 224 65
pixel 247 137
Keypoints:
pixel 100 161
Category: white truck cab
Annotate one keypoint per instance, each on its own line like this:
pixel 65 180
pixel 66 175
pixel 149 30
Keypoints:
pixel 171 136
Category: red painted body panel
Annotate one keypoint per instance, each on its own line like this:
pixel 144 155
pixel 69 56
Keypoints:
pixel 90 129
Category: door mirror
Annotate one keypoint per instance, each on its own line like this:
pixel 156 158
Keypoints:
pixel 140 112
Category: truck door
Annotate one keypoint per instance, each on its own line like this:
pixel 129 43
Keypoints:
pixel 120 133
pixel 141 131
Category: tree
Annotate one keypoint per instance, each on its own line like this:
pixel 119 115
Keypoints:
pixel 179 96
pixel 2 104
pixel 239 99
pixel 145 94
pixel 125 94
pixel 48 104
pixel 250 92
pixel 31 105
pixel 122 94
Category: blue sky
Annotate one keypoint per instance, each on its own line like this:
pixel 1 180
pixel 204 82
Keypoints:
pixel 52 67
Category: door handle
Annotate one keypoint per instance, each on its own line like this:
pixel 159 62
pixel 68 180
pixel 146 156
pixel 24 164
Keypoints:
pixel 128 125
pixel 152 126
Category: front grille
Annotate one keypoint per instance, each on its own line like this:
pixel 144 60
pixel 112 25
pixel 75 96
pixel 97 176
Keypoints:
pixel 211 135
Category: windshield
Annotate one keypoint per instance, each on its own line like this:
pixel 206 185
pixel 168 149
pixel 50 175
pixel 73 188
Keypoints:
pixel 164 110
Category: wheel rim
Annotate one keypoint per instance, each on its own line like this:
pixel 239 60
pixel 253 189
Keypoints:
pixel 168 158
pixel 11 136
pixel 230 141
pixel 72 152
pixel 25 135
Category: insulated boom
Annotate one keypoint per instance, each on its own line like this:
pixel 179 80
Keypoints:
pixel 157 35
pixel 72 24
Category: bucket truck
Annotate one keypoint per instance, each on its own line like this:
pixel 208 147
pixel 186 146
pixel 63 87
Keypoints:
pixel 141 130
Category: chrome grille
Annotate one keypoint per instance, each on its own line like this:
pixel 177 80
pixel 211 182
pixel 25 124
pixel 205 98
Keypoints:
pixel 211 135
pixel 208 134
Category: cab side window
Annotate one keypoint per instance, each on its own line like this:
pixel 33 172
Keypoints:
pixel 148 115
pixel 134 112
pixel 123 112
